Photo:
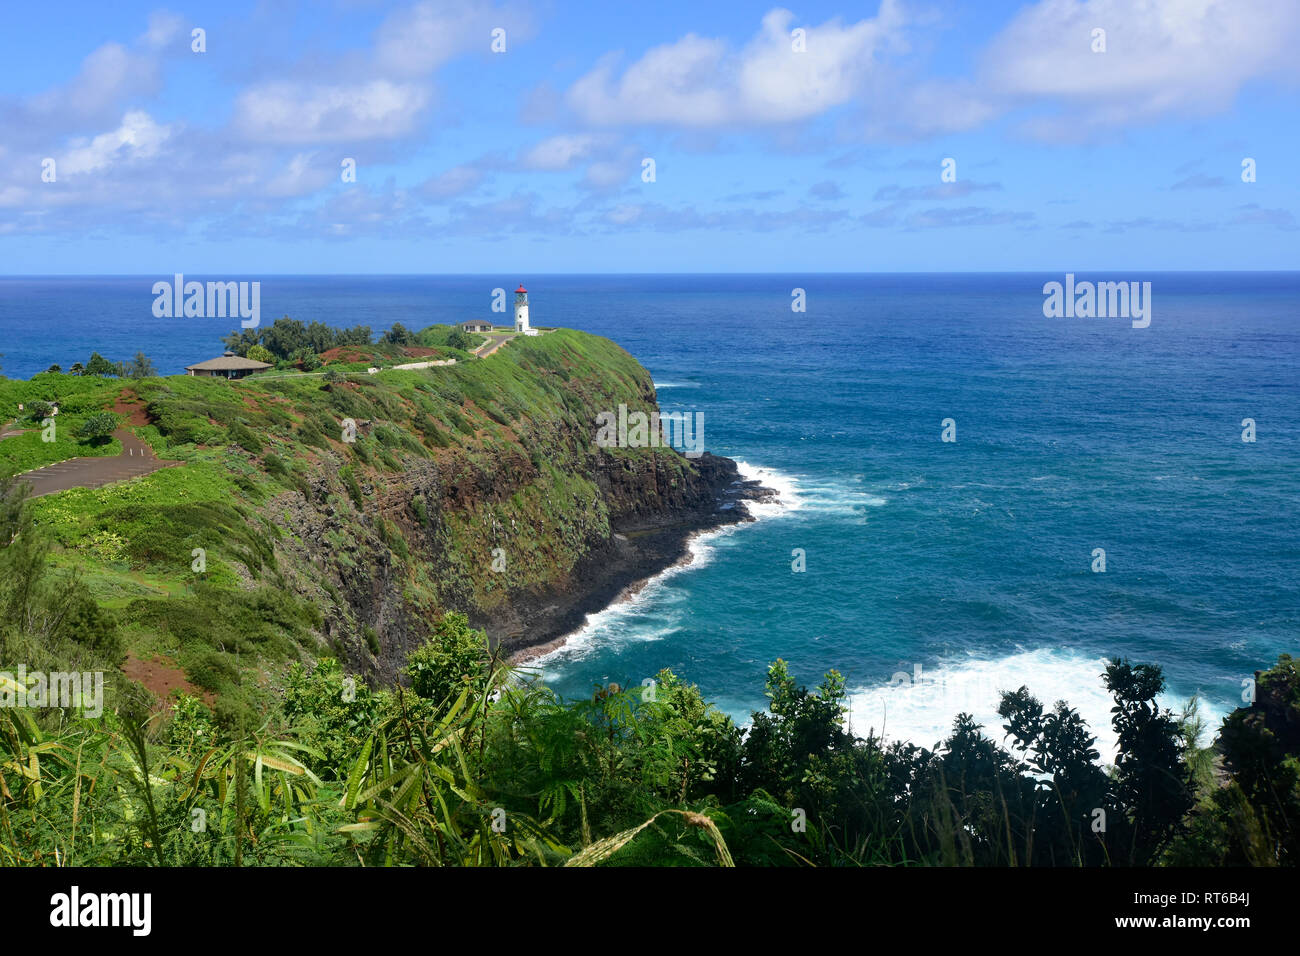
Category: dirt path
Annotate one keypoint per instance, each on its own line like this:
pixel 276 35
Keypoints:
pixel 162 677
pixel 136 459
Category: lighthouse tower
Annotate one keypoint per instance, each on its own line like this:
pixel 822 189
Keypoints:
pixel 521 311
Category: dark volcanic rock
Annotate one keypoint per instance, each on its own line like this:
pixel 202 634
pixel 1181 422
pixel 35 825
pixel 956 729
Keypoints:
pixel 647 539
pixel 383 545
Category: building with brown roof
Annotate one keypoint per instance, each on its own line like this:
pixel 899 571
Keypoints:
pixel 229 365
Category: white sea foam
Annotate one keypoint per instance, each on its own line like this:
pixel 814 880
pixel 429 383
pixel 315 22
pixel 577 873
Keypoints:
pixel 786 487
pixel 919 705
pixel 904 485
pixel 626 620
pixel 797 494
pixel 831 498
pixel 617 623
pixel 659 385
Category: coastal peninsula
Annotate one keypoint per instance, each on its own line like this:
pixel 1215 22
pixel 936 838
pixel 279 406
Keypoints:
pixel 368 493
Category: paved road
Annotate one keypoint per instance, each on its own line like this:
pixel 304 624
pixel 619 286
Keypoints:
pixel 136 459
pixel 410 365
pixel 494 342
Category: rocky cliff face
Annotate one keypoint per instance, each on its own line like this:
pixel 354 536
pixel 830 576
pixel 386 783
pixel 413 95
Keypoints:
pixel 526 529
pixel 654 514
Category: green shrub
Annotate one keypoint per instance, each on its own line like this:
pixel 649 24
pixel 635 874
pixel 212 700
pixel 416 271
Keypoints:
pixel 353 488
pixel 244 438
pixel 307 359
pixel 89 625
pixel 455 656
pixel 274 465
pixel 309 434
pixel 98 427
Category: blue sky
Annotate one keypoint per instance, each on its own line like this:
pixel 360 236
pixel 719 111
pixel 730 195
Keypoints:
pixel 767 158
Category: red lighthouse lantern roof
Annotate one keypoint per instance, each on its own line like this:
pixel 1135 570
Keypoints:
pixel 521 288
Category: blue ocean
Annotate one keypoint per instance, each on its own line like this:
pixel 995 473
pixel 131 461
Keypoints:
pixel 934 573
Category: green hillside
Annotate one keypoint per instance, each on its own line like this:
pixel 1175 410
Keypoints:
pixel 282 621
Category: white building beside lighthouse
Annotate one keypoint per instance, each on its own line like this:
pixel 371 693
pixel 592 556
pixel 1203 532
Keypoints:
pixel 521 312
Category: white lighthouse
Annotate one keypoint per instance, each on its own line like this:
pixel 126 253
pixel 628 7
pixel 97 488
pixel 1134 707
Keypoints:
pixel 521 312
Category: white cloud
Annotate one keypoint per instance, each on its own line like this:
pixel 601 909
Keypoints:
pixel 138 137
pixel 454 182
pixel 1162 57
pixel 108 75
pixel 419 39
pixel 624 214
pixel 560 152
pixel 164 27
pixel 778 85
pixel 608 162
pixel 699 82
pixel 303 174
pixel 379 93
pixel 605 174
pixel 913 110
pixel 658 217
pixel 284 112
pixel 670 84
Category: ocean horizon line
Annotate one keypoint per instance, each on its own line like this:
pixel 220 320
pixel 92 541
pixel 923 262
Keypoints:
pixel 764 274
